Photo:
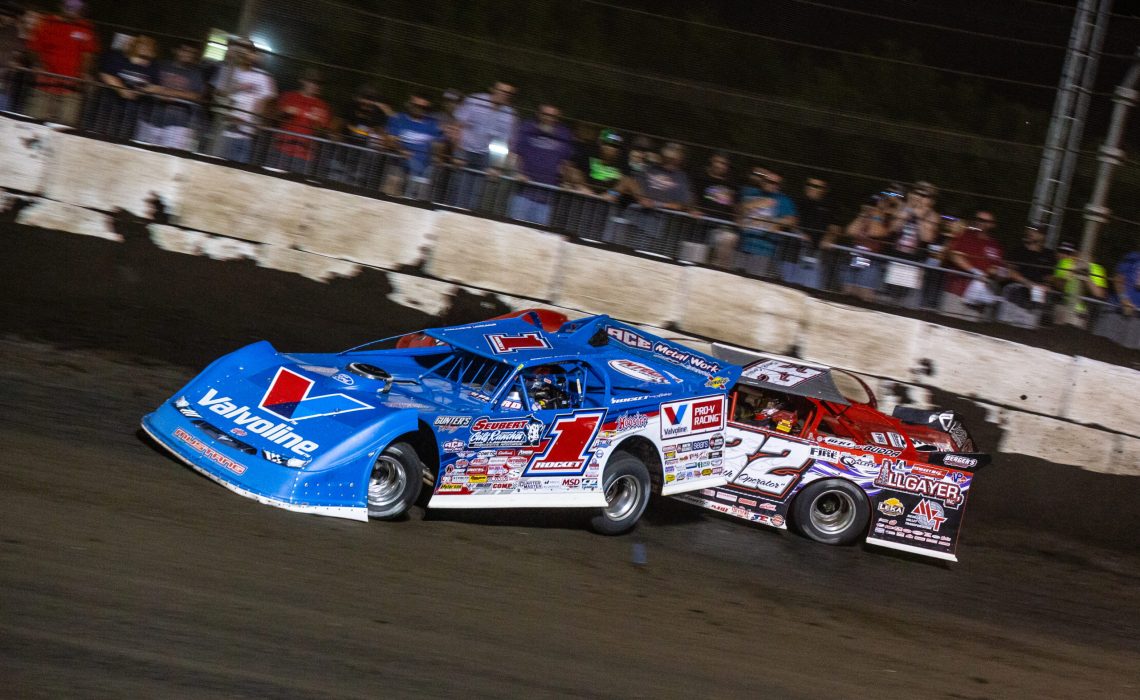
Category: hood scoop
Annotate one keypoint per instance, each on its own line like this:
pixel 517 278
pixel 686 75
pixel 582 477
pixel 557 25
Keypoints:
pixel 368 371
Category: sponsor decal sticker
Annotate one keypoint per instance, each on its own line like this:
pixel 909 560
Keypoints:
pixel 948 492
pixel 692 416
pixel 717 382
pixel 451 423
pixel 513 432
pixel 279 433
pixel 209 452
pixel 504 343
pixel 288 398
pixel 453 446
pixel 640 372
pixel 892 508
pixel 927 515
pixel 959 461
pixel 780 373
pixel 634 421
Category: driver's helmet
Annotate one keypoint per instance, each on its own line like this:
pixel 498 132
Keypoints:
pixel 547 387
pixel 769 405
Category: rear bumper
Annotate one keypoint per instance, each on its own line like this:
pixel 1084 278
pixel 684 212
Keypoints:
pixel 246 475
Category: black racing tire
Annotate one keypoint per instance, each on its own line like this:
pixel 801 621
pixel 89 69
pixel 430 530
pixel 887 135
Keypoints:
pixel 833 511
pixel 627 487
pixel 394 482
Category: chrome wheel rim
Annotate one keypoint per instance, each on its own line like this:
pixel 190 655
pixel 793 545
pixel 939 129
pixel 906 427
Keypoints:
pixel 832 512
pixel 622 497
pixel 387 481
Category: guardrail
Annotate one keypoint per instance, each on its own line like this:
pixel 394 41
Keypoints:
pixel 95 109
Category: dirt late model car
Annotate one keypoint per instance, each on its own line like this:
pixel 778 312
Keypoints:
pixel 495 414
pixel 801 451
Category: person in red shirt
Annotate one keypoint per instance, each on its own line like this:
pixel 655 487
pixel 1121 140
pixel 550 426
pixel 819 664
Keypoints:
pixel 299 112
pixel 63 44
pixel 982 258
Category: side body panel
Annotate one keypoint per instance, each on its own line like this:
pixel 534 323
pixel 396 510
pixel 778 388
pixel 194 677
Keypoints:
pixel 915 507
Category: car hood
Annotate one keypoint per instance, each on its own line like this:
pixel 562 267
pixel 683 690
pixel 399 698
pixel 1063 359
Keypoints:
pixel 299 407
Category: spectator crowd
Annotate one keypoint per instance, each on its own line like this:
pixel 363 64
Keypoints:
pixel 898 248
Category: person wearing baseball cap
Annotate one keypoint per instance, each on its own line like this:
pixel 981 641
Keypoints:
pixel 603 167
pixel 1077 277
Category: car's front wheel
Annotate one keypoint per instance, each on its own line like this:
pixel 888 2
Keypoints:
pixel 834 511
pixel 394 482
pixel 627 487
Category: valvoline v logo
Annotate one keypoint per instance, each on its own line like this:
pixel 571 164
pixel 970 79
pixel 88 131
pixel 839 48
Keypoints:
pixel 675 414
pixel 288 398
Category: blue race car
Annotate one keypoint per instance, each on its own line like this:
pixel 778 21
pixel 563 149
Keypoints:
pixel 498 414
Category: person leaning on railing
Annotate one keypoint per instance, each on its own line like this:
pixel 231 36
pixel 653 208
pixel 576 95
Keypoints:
pixel 63 46
pixel 1077 277
pixel 976 252
pixel 126 77
pixel 865 234
pixel 174 111
pixel 1126 283
pixel 1031 266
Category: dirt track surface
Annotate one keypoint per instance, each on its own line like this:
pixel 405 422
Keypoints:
pixel 124 574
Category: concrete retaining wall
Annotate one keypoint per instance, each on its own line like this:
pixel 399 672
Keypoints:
pixel 285 221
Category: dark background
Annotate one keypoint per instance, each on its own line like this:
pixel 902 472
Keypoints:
pixel 861 92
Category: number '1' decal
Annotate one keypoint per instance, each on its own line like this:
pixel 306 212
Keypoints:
pixel 568 445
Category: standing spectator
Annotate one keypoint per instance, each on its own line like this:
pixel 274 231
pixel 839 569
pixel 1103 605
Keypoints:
pixel 604 171
pixel 865 234
pixel 304 113
pixel 1126 283
pixel 11 51
pixel 1077 277
pixel 642 155
pixel 62 44
pixel 816 224
pixel 486 127
pixel 715 194
pixel 449 102
pixel 363 130
pixel 1031 266
pixel 913 229
pixel 21 80
pixel 127 77
pixel 179 86
pixel 982 258
pixel 416 136
pixel 542 150
pixel 244 90
pixel 714 189
pixel 665 186
pixel 764 212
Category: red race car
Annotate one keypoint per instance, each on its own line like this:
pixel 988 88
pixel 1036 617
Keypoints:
pixel 807 445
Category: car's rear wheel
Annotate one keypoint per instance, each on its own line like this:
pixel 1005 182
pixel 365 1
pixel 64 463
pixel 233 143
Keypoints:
pixel 394 482
pixel 832 512
pixel 627 487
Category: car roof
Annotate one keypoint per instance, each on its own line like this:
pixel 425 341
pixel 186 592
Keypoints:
pixel 787 375
pixel 599 339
